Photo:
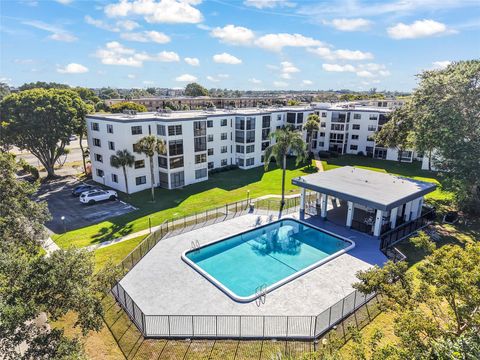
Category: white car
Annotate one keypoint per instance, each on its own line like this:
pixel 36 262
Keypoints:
pixel 93 196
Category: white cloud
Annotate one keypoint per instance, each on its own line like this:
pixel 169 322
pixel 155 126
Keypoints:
pixel 163 11
pixel 186 78
pixel 288 67
pixel 286 76
pixel 276 42
pixel 344 24
pixel 235 35
pixel 192 61
pixel 307 82
pixel 167 56
pixel 72 68
pixel 223 76
pixel 280 84
pixel 147 36
pixel 418 29
pixel 148 82
pixel 341 54
pixel 255 81
pixel 268 4
pixel 367 70
pixel 225 58
pixel 365 73
pixel 128 25
pixel 338 68
pixel 120 25
pixel 64 2
pixel 212 79
pixel 57 34
pixel 131 76
pixel 439 65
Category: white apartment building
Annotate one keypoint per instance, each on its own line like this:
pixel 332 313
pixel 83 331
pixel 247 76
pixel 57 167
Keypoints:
pixel 199 141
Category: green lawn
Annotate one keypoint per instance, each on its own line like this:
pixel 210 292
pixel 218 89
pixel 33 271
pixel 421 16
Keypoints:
pixel 221 188
pixel 116 253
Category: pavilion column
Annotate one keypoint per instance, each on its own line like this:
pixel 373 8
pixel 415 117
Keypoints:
pixel 378 223
pixel 323 205
pixel 393 217
pixel 420 207
pixel 302 203
pixel 414 209
pixel 407 212
pixel 350 214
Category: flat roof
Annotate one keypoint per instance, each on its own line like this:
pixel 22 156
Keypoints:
pixel 370 188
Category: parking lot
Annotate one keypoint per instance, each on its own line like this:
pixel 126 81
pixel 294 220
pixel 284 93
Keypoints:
pixel 60 202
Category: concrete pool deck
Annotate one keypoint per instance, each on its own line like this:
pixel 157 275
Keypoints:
pixel 163 284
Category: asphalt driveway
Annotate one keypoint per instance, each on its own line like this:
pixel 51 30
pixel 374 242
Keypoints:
pixel 60 202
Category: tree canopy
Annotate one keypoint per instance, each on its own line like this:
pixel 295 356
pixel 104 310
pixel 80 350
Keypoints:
pixel 194 89
pixel 42 121
pixel 32 284
pixel 127 105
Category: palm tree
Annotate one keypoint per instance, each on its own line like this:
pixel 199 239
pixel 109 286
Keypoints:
pixel 122 159
pixel 286 141
pixel 310 126
pixel 149 145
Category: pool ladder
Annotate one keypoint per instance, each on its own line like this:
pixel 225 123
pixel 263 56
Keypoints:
pixel 195 245
pixel 261 294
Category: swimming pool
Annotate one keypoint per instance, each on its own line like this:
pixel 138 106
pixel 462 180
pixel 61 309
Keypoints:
pixel 260 260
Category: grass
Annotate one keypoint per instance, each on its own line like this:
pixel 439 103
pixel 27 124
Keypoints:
pixel 221 188
pixel 115 253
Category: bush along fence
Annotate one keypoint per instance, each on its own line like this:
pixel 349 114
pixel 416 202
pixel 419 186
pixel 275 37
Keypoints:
pixel 229 326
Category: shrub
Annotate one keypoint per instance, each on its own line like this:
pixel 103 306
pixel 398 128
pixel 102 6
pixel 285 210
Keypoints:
pixel 360 153
pixel 324 154
pixel 223 169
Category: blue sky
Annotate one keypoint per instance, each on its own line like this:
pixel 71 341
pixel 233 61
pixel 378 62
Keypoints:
pixel 244 44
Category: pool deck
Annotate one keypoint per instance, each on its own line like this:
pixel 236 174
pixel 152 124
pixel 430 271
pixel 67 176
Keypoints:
pixel 163 284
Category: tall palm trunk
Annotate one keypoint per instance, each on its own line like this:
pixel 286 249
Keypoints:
pixel 152 178
pixel 125 177
pixel 284 169
pixel 80 138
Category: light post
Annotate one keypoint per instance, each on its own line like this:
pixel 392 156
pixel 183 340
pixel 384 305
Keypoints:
pixel 64 224
pixel 150 224
pixel 103 178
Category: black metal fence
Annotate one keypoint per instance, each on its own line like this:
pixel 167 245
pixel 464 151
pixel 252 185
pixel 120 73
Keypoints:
pixel 394 236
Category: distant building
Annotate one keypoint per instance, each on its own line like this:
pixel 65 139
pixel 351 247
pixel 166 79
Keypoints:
pixel 199 141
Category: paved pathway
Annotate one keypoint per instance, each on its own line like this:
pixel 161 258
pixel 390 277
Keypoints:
pixel 318 162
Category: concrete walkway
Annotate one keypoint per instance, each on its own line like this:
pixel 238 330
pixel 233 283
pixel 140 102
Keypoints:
pixel 318 162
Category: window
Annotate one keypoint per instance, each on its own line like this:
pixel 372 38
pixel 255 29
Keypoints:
pixel 265 145
pixel 250 124
pixel 354 137
pixel 250 136
pixel 223 136
pixel 200 173
pixel 140 180
pixel 177 179
pixel 162 162
pixel 240 149
pixel 321 134
pixel 373 117
pixel 291 118
pixel 372 127
pixel 240 162
pixel 324 114
pixel 200 143
pixel 100 172
pixel 239 136
pixel 175 147
pixel 210 137
pixel 321 144
pixel 139 164
pixel 163 177
pixel 176 162
pixel 210 152
pixel 161 130
pixel 111 145
pixel 357 116
pixel 224 162
pixel 369 149
pixel 110 128
pixel 210 165
pixel 209 123
pixel 266 121
pixel 174 130
pixel 355 127
pixel 94 126
pixel 299 118
pixel 223 122
pixel 279 117
pixel 250 161
pixel 265 134
pixel 353 147
pixel 97 142
pixel 200 158
pixel 223 149
pixel 98 158
pixel 114 178
pixel 199 128
pixel 337 127
pixel 250 148
pixel 136 130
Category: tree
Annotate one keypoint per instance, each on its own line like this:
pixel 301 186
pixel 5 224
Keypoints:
pixel 286 141
pixel 293 102
pixel 127 105
pixel 310 126
pixel 123 158
pixel 440 304
pixel 149 145
pixel 108 93
pixel 194 89
pixel 42 122
pixel 43 85
pixel 32 284
pixel 4 90
pixel 445 119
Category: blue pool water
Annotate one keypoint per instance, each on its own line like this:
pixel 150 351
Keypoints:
pixel 264 256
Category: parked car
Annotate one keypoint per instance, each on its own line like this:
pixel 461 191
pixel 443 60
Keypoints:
pixel 72 138
pixel 78 190
pixel 93 196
